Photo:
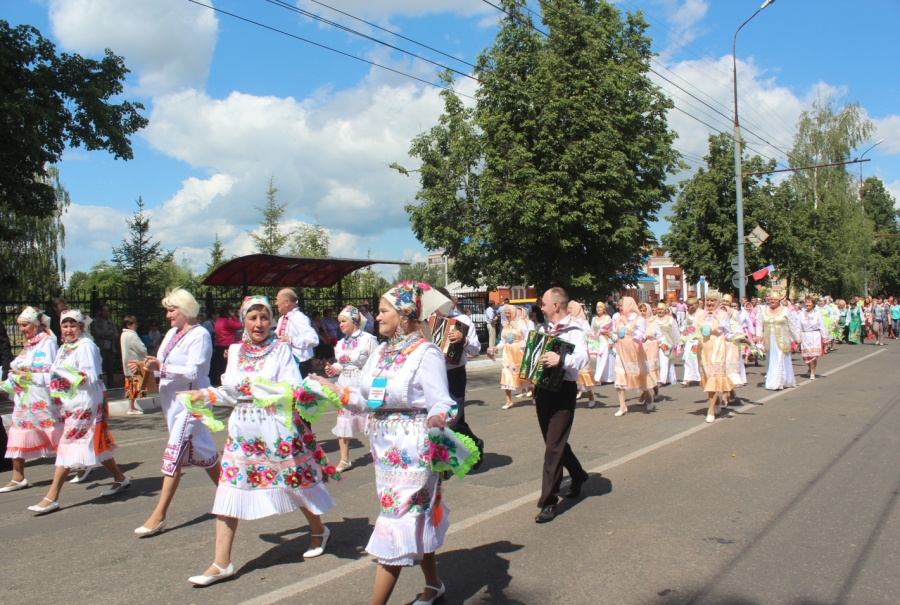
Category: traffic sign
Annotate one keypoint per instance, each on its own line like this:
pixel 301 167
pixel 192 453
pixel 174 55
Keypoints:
pixel 735 265
pixel 736 280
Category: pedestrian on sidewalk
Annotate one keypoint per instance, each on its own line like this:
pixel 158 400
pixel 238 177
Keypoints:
pixel 133 350
pixel 556 410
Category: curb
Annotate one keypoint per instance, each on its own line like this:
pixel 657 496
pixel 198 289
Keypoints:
pixel 119 407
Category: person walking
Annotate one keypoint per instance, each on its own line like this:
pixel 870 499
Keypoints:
pixel 511 348
pixel 600 346
pixel 36 424
pixel 351 354
pixel 295 328
pixel 690 335
pixel 556 410
pixel 133 350
pixel 182 365
pixel 631 358
pixel 714 325
pixel 776 329
pixel 812 335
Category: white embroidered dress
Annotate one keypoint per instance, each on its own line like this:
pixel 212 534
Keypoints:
pixel 351 354
pixel 413 519
pixel 36 423
pixel 600 347
pixel 184 358
pixel 271 464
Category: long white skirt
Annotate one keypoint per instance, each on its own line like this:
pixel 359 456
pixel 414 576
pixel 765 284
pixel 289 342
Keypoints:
pixel 666 369
pixel 413 519
pixel 780 369
pixel 189 441
pixel 86 440
pixel 691 366
pixel 605 364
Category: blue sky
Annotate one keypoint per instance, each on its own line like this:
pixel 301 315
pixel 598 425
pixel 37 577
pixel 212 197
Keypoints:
pixel 231 103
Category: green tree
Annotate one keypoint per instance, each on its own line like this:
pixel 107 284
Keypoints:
pixel 170 274
pixel 702 235
pixel 31 254
pixel 273 239
pixel 838 233
pixel 422 272
pixel 554 176
pixel 49 102
pixel 310 240
pixel 216 256
pixel 884 256
pixel 140 259
pixel 103 276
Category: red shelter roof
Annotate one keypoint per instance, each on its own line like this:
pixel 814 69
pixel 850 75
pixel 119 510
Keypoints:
pixel 291 271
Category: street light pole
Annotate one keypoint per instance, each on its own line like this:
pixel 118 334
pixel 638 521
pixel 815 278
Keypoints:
pixel 880 141
pixel 738 177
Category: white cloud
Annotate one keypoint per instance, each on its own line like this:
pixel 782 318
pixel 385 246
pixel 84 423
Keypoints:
pixel 168 43
pixel 888 129
pixel 90 233
pixel 894 190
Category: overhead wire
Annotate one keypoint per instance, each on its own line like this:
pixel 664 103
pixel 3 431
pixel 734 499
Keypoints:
pixel 340 52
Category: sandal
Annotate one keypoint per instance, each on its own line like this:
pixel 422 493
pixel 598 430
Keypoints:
pixel 344 465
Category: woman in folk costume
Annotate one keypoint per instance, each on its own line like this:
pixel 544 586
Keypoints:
pixel 585 377
pixel 776 329
pixel 36 424
pixel 404 385
pixel 651 348
pixel 667 335
pixel 182 364
pixel 812 335
pixel 690 335
pixel 856 321
pixel 843 319
pixel 714 326
pixel 631 359
pixel 511 345
pixel 734 361
pixel 272 464
pixel 351 354
pixel 747 324
pixel 523 316
pixel 829 318
pixel 75 381
pixel 600 346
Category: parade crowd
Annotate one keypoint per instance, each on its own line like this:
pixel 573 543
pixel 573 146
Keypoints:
pixel 400 389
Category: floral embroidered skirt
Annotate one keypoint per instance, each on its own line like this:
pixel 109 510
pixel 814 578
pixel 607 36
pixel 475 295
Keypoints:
pixel 413 519
pixel 36 424
pixel 190 443
pixel 350 423
pixel 811 345
pixel 86 440
pixel 270 468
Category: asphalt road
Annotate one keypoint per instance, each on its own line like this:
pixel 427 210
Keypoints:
pixel 790 500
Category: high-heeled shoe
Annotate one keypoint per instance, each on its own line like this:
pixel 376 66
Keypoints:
pixel 315 552
pixel 16 485
pixel 146 532
pixel 115 490
pixel 620 413
pixel 82 478
pixel 204 580
pixel 43 510
pixel 440 593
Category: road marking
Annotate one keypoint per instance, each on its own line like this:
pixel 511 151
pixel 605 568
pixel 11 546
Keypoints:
pixel 298 587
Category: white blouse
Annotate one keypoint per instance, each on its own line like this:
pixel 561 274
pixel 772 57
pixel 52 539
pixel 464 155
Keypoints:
pixel 38 359
pixel 132 349
pixel 351 355
pixel 190 357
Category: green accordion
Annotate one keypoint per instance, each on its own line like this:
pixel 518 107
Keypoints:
pixel 533 371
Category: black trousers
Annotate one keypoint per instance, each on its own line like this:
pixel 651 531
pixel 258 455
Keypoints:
pixel 456 383
pixel 217 366
pixel 556 412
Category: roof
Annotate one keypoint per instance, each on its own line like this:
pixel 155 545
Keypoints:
pixel 291 271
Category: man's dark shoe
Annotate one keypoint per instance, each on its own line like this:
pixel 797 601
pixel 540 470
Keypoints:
pixel 480 444
pixel 547 514
pixel 575 488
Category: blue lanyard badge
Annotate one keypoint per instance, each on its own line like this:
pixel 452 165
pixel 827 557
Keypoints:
pixel 37 362
pixel 377 392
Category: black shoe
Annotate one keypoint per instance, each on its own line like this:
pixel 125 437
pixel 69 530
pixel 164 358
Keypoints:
pixel 547 514
pixel 575 488
pixel 480 444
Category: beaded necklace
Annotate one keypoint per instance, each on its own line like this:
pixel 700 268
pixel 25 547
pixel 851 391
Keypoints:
pixel 179 335
pixel 252 356
pixel 394 354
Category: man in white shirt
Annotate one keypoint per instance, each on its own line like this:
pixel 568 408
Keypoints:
pixel 490 317
pixel 556 411
pixel 294 328
pixel 457 378
pixel 370 321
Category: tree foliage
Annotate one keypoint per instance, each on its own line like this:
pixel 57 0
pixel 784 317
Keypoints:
pixel 422 272
pixel 142 261
pixel 49 102
pixel 884 256
pixel 310 240
pixel 216 256
pixel 555 174
pixel 273 238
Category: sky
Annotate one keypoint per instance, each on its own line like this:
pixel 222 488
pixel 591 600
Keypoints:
pixel 232 103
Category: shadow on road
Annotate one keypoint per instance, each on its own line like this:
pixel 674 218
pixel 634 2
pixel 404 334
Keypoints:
pixel 476 571
pixel 492 461
pixel 348 541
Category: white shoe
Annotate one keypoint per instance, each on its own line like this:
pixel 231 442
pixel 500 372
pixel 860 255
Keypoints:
pixel 710 418
pixel 520 394
pixel 651 405
pixel 16 485
pixel 315 552
pixel 440 593
pixel 82 478
pixel 224 574
pixel 115 490
pixel 145 532
pixel 621 413
pixel 592 403
pixel 43 510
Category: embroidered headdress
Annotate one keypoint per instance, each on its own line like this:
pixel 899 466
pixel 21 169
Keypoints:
pixel 355 317
pixel 252 301
pixel 79 317
pixel 34 316
pixel 416 301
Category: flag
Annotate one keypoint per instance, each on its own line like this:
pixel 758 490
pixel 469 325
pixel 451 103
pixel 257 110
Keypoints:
pixel 758 275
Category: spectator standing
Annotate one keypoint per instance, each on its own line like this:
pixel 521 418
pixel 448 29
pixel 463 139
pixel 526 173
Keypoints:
pixel 295 328
pixel 57 306
pixel 331 326
pixel 209 324
pixel 490 318
pixel 371 327
pixel 133 349
pixel 155 338
pixel 105 336
pixel 224 336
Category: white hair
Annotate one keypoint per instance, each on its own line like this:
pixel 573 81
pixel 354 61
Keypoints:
pixel 182 300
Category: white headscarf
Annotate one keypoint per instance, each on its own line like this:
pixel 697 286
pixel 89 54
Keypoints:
pixel 34 316
pixel 79 317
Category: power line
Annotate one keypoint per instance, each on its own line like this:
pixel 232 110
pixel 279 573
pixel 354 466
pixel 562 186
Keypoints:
pixel 286 6
pixel 340 52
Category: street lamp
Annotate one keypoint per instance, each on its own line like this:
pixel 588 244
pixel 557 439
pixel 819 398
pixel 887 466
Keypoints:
pixel 738 177
pixel 880 141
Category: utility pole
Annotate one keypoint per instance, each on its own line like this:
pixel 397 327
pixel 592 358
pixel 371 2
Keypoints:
pixel 738 177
